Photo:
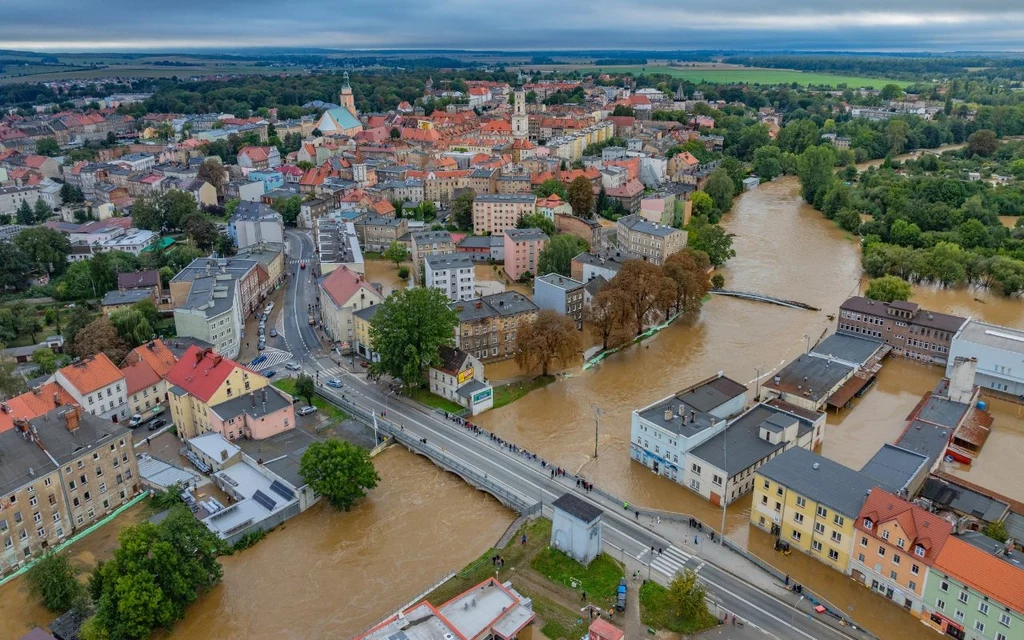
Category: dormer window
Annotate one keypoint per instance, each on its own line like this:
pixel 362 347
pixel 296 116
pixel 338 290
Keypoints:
pixel 868 524
pixel 919 550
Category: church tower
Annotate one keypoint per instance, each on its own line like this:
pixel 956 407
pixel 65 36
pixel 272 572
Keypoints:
pixel 520 122
pixel 345 98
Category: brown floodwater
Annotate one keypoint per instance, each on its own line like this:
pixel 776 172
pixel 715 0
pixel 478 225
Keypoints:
pixel 385 273
pixel 330 574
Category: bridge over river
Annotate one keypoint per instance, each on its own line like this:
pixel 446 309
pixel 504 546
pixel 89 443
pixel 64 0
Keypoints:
pixel 746 295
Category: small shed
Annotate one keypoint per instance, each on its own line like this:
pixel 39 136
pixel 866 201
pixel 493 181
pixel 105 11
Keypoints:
pixel 601 629
pixel 576 528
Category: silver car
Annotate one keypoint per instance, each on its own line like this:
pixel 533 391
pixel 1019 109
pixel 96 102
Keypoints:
pixel 305 411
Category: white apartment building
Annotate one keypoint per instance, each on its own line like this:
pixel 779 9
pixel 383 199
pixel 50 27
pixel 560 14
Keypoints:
pixel 452 274
pixel 97 385
pixel 213 313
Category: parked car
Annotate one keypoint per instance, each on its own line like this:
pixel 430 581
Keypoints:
pixel 335 383
pixel 261 333
pixel 270 307
pixel 293 366
pixel 262 345
pixel 305 411
pixel 273 333
pixel 156 424
pixel 269 373
pixel 135 421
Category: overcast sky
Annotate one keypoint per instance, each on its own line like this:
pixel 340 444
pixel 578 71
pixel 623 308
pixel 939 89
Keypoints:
pixel 938 25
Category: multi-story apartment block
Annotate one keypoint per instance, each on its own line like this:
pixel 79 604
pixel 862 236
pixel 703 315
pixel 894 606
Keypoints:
pixel 914 332
pixel 251 278
pixel 63 471
pixel 212 312
pixel 345 292
pixel 560 294
pixel 522 251
pixel 897 543
pixel 144 370
pixel 452 274
pixel 811 503
pixel 647 240
pixel 999 352
pixel 429 243
pixel 376 233
pixel 488 325
pixel 97 385
pixel 254 223
pixel 493 214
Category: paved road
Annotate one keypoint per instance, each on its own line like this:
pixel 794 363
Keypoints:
pixel 624 537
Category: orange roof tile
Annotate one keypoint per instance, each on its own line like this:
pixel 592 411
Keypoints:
pixel 138 376
pixel 923 528
pixel 983 572
pixel 33 404
pixel 155 354
pixel 92 373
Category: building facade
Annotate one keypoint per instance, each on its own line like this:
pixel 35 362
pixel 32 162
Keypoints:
pixel 999 352
pixel 648 241
pixel 494 213
pixel 913 332
pixel 488 325
pixel 560 294
pixel 452 274
pixel 344 292
pixel 522 251
pixel 97 385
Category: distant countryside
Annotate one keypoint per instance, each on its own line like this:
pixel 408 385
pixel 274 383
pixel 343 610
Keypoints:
pixel 753 75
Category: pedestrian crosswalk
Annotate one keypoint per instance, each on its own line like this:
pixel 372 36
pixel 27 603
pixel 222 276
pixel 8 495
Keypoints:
pixel 670 561
pixel 333 372
pixel 274 357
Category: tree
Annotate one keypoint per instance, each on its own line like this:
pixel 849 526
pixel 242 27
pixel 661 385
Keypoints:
pixel 407 331
pixel 896 133
pixel 997 531
pixel 200 230
pixel 557 255
pixel 52 581
pixel 156 572
pixel 580 197
pixel 551 187
pixel 721 189
pixel 25 215
pixel 891 92
pixel 609 313
pixel 702 205
pixel 395 133
pixel 396 252
pixel 289 208
pixel 462 210
pixel 687 597
pixel 11 382
pixel 767 162
pixel 14 266
pixel 41 211
pixel 45 361
pixel 166 275
pixel 47 147
pixel 551 336
pixel 641 282
pixel 132 326
pixel 888 289
pixel 99 335
pixel 982 142
pixel 687 282
pixel 537 221
pixel 214 173
pixel 848 219
pixel 712 240
pixel 305 387
pixel 717 282
pixel 814 167
pixel 339 471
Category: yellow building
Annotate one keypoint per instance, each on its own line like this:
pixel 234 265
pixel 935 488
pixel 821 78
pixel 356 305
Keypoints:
pixel 361 332
pixel 810 502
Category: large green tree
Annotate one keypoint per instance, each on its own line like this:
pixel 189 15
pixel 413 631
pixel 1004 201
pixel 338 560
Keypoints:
pixel 52 581
pixel 814 166
pixel 41 211
pixel 888 289
pixel 339 471
pixel 305 387
pixel 462 210
pixel 557 255
pixel 580 197
pixel 712 239
pixel 156 572
pixel 47 147
pixel 982 142
pixel 132 326
pixel 721 189
pixel 407 331
pixel 537 221
pixel 549 187
pixel 688 599
pixel 45 250
pixel 396 252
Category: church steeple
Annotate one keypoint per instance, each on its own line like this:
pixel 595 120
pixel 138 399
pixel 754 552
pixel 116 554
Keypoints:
pixel 345 98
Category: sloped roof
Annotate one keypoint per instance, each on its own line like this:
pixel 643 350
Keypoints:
pixel 34 403
pixel 983 571
pixel 343 283
pixel 138 279
pixel 200 372
pixel 138 376
pixel 92 373
pixel 922 528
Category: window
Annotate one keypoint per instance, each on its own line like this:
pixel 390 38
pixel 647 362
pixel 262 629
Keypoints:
pixel 695 468
pixel 919 551
pixel 940 603
pixel 33 501
pixel 914 569
pixel 892 575
pixel 1004 619
pixel 778 506
pixel 885 535
pixel 56 517
pixel 912 585
pixel 943 586
pixel 1000 636
pixel 822 512
pixel 863 541
pixel 819 528
pixel 860 557
pixel 766 484
pixel 867 524
pixel 837 537
pixel 833 554
pixel 979 626
pixel 800 502
pixel 983 608
pixel 963 597
pixel 895 558
pixel 796 535
pixel 816 545
pixel 838 520
pixel 881 552
pixel 959 615
pixel 778 491
pixel 798 518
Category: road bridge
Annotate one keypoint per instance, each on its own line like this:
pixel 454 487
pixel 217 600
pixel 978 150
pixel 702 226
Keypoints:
pixel 746 295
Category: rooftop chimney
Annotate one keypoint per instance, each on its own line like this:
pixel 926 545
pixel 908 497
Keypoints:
pixel 71 417
pixel 668 414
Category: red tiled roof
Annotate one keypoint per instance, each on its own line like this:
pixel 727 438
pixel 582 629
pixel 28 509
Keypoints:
pixel 923 528
pixel 630 189
pixel 383 207
pixel 138 376
pixel 983 571
pixel 200 372
pixel 256 154
pixel 156 355
pixel 342 283
pixel 35 161
pixel 35 403
pixel 92 373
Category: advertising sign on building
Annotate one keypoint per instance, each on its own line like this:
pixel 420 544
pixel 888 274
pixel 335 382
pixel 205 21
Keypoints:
pixel 465 376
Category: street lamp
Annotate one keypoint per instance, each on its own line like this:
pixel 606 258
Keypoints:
pixel 792 617
pixel 597 422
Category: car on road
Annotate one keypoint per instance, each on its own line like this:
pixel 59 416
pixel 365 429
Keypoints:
pixel 261 332
pixel 293 366
pixel 334 383
pixel 273 333
pixel 305 411
pixel 269 308
pixel 364 364
pixel 269 373
pixel 262 345
pixel 302 265
pixel 135 421
pixel 156 424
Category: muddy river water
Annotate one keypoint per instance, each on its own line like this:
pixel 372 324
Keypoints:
pixel 328 574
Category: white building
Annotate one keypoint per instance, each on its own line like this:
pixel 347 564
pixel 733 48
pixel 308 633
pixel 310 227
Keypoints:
pixel 12 197
pixel 453 274
pixel 1000 354
pixel 97 385
pixel 576 528
pixel 722 468
pixel 255 222
pixel 213 313
pixel 662 433
pixel 460 378
pixel 132 241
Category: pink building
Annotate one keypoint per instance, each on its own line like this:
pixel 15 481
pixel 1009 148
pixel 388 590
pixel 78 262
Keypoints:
pixel 255 415
pixel 522 251
pixel 495 212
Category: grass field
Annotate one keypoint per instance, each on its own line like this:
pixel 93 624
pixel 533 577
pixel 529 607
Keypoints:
pixel 326 408
pixel 512 392
pixel 16 74
pixel 754 76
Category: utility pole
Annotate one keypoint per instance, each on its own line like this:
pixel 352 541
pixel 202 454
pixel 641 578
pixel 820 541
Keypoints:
pixel 757 383
pixel 725 480
pixel 597 422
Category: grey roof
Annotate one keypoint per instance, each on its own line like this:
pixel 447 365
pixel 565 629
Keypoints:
pixel 1015 525
pixel 921 317
pixel 942 412
pixel 739 446
pixel 367 313
pixel 472 310
pixel 595 285
pixel 378 221
pixel 510 303
pixel 990 335
pixel 280 453
pixel 690 408
pixel 560 281
pixel 638 223
pixel 848 348
pixel 138 279
pixel 66 445
pixel 712 394
pixel 894 466
pixel 213 295
pixel 477 242
pixel 812 377
pixel 467 390
pixel 17 456
pixel 606 259
pixel 947 494
pixel 577 507
pixel 254 211
pixel 429 237
pixel 830 484
pixel 506 197
pixel 131 296
pixel 334 242
pixel 256 404
pixel 524 235
pixel 924 438
pixel 980 541
pixel 236 267
pixel 449 261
